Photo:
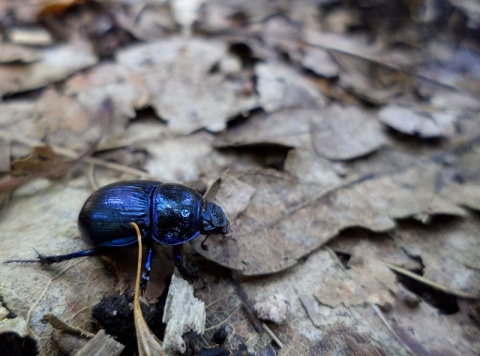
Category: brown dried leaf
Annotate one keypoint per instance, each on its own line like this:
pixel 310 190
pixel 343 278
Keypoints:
pixel 426 331
pixel 287 219
pixel 343 133
pixel 36 168
pixel 182 88
pixel 289 127
pixel 417 121
pixel 449 251
pixel 46 221
pixel 298 333
pixel 42 159
pixel 56 63
pixel 58 119
pixel 280 87
pixel 11 53
pixel 235 196
pixel 320 62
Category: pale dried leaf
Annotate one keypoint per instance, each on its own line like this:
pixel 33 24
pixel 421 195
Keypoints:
pixel 59 119
pixel 127 90
pixel 449 252
pixel 427 331
pixel 309 167
pixel 182 89
pixel 343 133
pixel 320 62
pixel 55 64
pixel 298 333
pixel 280 87
pixel 30 36
pixel 57 289
pixel 11 53
pixel 185 12
pixel 289 127
pixel 415 121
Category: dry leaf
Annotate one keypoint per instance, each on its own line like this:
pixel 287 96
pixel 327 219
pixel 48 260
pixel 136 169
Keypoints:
pixel 342 133
pixel 289 127
pixel 182 88
pixel 280 87
pixel 286 219
pixel 320 62
pixel 11 53
pixel 415 121
pixel 55 64
pixel 426 331
pixel 298 333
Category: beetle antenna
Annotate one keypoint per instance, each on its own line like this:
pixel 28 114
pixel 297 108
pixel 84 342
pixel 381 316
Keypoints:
pixel 20 261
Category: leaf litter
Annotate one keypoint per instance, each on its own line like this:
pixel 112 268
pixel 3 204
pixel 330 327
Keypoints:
pixel 365 221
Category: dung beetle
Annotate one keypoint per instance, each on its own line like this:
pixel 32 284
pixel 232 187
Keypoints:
pixel 170 214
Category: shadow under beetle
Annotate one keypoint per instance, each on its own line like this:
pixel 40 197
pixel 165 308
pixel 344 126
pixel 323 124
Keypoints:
pixel 170 214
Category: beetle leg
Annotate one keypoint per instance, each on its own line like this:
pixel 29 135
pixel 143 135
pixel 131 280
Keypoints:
pixel 177 259
pixel 48 260
pixel 147 267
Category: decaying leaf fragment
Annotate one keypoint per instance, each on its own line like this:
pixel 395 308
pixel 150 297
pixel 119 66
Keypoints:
pixel 45 163
pixel 336 133
pixel 426 330
pixel 415 121
pixel 280 87
pixel 287 127
pixel 342 133
pixel 183 89
pixel 286 218
pixel 56 63
pixel 15 325
pixel 311 322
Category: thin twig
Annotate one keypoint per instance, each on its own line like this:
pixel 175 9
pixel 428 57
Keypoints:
pixel 272 335
pixel 72 154
pixel 377 311
pixel 438 286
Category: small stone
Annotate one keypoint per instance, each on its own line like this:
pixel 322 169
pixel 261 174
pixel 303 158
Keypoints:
pixel 272 308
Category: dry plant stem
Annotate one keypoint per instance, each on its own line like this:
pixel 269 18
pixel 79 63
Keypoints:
pixel 91 176
pixel 72 154
pixel 379 313
pixel 440 287
pixel 272 335
pixel 335 257
pixel 147 342
pixel 60 324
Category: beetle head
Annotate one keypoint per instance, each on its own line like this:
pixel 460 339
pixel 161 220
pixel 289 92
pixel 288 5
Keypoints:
pixel 214 220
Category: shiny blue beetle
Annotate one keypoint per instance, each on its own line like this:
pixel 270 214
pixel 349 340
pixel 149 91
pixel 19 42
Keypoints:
pixel 170 214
